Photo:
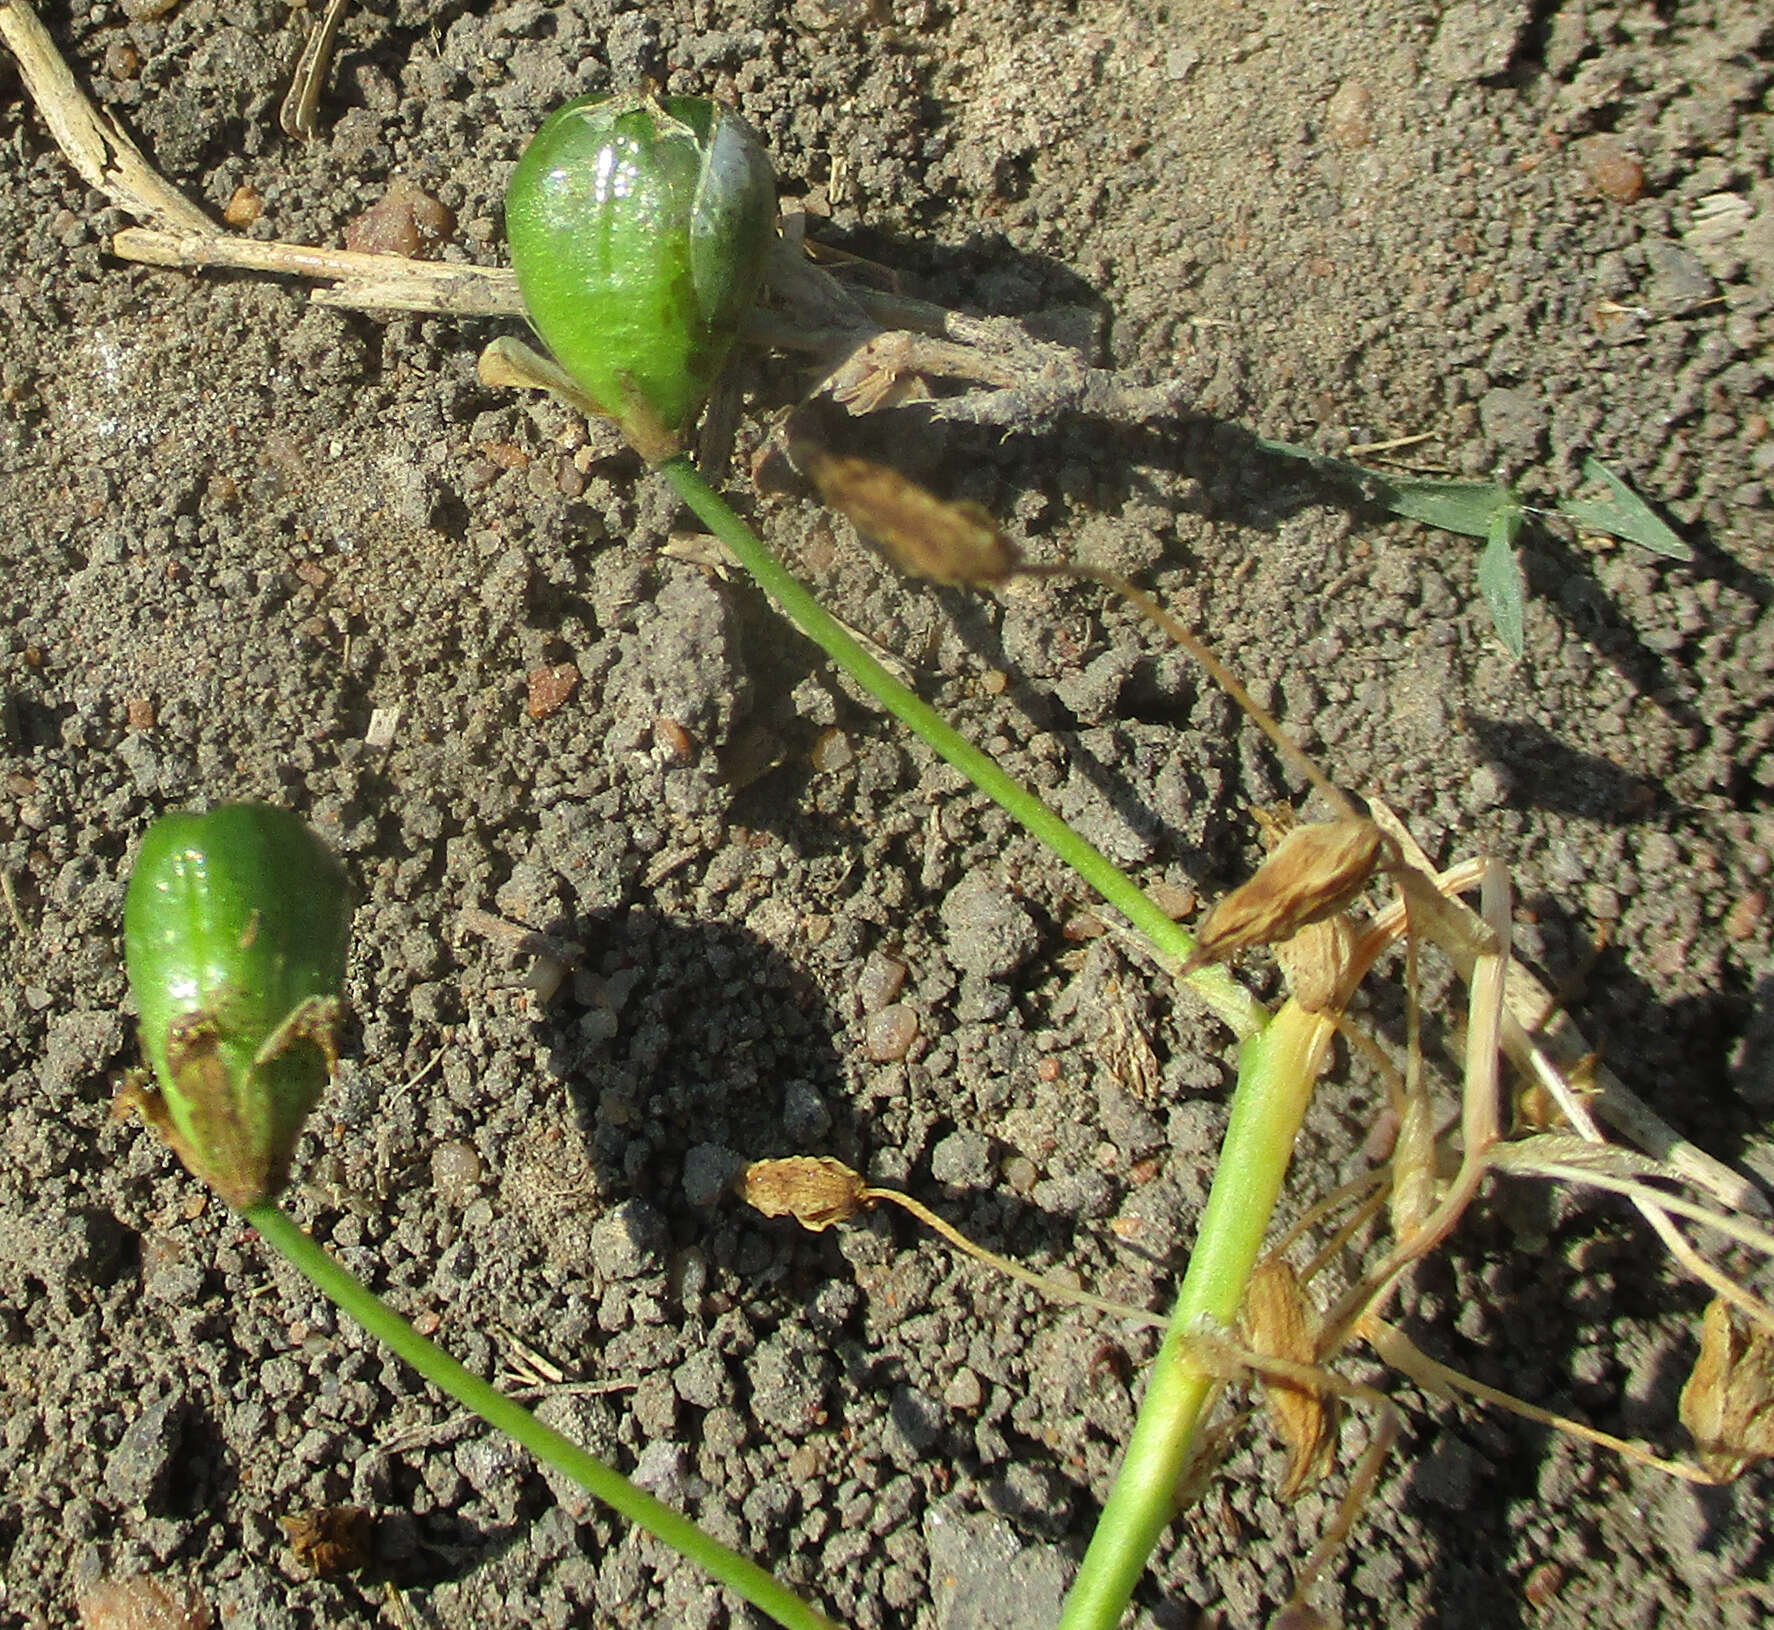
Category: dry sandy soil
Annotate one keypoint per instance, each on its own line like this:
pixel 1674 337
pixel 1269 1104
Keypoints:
pixel 234 523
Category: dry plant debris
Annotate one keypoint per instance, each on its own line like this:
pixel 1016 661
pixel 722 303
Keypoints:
pixel 923 535
pixel 1278 1324
pixel 820 1192
pixel 1728 1403
pixel 1314 873
pixel 817 1191
pixel 331 1539
pixel 301 105
pixel 1301 901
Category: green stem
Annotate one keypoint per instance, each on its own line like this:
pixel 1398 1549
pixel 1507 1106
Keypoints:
pixel 1275 1076
pixel 1278 1065
pixel 734 1571
pixel 1241 1011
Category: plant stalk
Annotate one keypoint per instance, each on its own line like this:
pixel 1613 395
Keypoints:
pixel 1276 1072
pixel 1230 1001
pixel 737 1573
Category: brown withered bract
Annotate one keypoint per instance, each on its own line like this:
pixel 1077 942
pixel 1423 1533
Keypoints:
pixel 1314 961
pixel 1728 1403
pixel 1277 1325
pixel 921 534
pixel 1314 873
pixel 815 1190
pixel 330 1539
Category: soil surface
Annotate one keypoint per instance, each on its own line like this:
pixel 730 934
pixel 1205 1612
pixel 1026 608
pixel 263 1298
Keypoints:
pixel 236 524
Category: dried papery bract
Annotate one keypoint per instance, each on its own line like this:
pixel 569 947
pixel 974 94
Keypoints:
pixel 1313 874
pixel 1728 1403
pixel 1279 1324
pixel 817 1191
pixel 1315 962
pixel 921 534
pixel 1283 1341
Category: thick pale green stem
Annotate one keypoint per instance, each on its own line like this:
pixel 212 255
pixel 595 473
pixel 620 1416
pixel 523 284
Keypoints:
pixel 443 1372
pixel 1242 1012
pixel 1275 1076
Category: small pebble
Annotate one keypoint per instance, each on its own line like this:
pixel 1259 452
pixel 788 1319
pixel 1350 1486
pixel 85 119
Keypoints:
pixel 889 1034
pixel 1611 170
pixel 963 1159
pixel 1542 1585
pixel 673 740
pixel 1488 786
pixel 140 1467
pixel 142 1603
pixel 831 752
pixel 506 454
pixel 1349 115
pixel 964 1390
pixel 245 207
pixel 805 1117
pixel 990 933
pixel 1677 276
pixel 405 220
pixel 1741 919
pixel 122 60
pixel 629 1241
pixel 880 982
pixel 456 1172
pixel 709 1170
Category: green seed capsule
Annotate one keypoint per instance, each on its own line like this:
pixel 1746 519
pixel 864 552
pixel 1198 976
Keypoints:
pixel 639 231
pixel 234 934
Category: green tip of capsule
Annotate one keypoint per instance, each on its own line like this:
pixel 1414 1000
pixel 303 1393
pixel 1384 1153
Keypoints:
pixel 639 229
pixel 234 932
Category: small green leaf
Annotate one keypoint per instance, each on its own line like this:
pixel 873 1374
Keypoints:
pixel 1500 579
pixel 1623 514
pixel 1471 508
pixel 1466 507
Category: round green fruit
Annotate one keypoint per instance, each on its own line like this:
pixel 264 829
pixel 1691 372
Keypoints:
pixel 234 933
pixel 639 229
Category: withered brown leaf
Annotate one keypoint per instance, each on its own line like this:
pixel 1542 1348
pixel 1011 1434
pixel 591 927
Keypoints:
pixel 815 1190
pixel 1314 961
pixel 1278 1324
pixel 1728 1403
pixel 1314 873
pixel 923 535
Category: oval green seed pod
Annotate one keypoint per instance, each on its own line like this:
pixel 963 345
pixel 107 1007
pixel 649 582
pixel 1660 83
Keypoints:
pixel 234 935
pixel 639 231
